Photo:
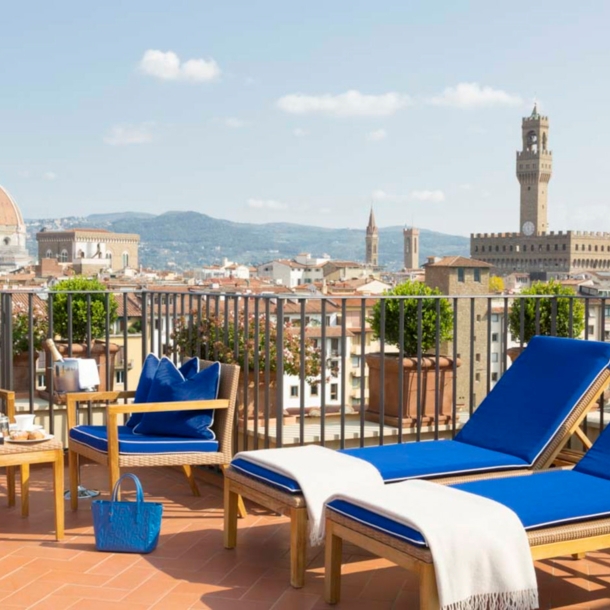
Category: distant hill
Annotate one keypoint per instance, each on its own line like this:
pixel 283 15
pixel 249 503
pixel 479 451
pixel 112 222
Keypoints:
pixel 186 240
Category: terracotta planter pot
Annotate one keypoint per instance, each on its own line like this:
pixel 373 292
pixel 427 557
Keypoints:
pixel 256 390
pixel 79 350
pixel 428 390
pixel 22 374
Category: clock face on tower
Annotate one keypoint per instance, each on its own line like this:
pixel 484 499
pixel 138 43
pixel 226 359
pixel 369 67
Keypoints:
pixel 528 228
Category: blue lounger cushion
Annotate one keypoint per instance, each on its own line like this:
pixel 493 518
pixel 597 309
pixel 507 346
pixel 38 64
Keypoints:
pixel 134 444
pixel 540 500
pixel 407 461
pixel 535 396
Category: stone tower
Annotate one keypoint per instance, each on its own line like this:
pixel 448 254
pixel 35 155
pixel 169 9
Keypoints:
pixel 372 242
pixel 534 169
pixel 411 248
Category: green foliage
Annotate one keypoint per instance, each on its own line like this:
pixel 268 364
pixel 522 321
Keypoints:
pixel 98 295
pixel 554 290
pixel 21 328
pixel 429 308
pixel 206 339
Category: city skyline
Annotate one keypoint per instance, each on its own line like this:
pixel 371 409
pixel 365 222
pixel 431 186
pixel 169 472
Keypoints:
pixel 280 114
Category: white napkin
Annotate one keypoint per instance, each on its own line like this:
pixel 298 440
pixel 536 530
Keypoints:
pixel 88 375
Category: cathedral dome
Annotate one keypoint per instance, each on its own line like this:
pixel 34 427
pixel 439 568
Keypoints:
pixel 10 215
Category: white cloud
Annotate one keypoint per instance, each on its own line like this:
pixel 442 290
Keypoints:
pixel 381 195
pixel 350 103
pixel 466 186
pixel 377 135
pixel 473 95
pixel 430 196
pixel 234 123
pixel 49 175
pixel 167 66
pixel 270 204
pixel 299 133
pixel 123 135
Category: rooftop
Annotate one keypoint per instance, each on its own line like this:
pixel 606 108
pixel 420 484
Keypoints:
pixel 191 569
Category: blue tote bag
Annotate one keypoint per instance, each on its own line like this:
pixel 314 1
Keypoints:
pixel 126 527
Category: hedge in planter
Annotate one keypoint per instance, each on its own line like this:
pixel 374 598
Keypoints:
pixel 435 312
pixel 554 291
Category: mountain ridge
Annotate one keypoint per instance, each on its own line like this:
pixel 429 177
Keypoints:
pixel 188 239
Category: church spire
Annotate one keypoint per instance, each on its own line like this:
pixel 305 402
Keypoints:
pixel 372 227
pixel 372 242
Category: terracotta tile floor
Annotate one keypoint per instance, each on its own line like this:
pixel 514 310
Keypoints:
pixel 190 568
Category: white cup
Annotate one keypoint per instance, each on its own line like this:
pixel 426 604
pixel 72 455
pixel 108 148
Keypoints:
pixel 25 421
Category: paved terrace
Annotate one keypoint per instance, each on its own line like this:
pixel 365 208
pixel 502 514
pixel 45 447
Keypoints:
pixel 190 568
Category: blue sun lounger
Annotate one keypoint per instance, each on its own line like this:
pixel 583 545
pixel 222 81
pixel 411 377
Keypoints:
pixel 563 511
pixel 522 424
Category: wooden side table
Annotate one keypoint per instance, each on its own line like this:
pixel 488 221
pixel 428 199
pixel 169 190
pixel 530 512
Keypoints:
pixel 24 454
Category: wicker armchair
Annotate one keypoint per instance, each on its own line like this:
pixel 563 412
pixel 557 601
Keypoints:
pixel 115 459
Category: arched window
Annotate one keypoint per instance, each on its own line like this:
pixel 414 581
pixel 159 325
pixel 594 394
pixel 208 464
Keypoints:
pixel 125 259
pixel 7 241
pixel 48 254
pixel 81 254
pixel 63 256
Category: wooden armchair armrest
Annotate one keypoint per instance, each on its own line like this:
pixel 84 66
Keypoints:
pixel 9 398
pixel 72 398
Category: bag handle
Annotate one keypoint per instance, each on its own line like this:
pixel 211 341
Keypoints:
pixel 134 478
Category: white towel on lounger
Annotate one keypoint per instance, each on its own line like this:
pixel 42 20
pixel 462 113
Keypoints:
pixel 482 558
pixel 320 472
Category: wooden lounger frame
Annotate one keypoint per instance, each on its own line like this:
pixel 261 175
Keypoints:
pixel 293 505
pixel 576 540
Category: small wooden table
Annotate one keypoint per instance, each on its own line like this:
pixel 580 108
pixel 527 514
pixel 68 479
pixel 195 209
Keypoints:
pixel 22 455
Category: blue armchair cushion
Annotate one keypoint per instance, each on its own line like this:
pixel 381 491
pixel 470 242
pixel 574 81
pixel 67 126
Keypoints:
pixel 170 385
pixel 151 364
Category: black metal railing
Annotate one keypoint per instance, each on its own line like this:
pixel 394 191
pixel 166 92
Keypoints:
pixel 297 354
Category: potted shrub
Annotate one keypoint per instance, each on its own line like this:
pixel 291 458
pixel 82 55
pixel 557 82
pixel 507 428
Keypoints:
pixel 436 315
pixel 213 338
pixel 23 347
pixel 103 309
pixel 537 306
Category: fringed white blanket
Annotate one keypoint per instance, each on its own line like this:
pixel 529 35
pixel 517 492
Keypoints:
pixel 481 555
pixel 320 472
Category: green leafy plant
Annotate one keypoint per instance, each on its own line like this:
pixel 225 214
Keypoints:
pixel 21 328
pixel 98 296
pixel 566 324
pixel 233 340
pixel 429 309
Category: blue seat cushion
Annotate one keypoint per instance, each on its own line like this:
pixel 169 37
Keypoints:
pixel 596 461
pixel 407 461
pixel 169 385
pixel 130 443
pixel 535 396
pixel 189 369
pixel 540 500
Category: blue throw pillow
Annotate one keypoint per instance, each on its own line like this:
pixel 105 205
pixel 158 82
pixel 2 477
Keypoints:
pixel 149 368
pixel 170 385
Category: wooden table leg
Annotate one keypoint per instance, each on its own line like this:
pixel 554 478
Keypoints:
pixel 58 488
pixel 10 484
pixel 25 490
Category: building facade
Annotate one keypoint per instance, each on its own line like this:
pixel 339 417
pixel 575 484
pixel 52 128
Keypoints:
pixel 535 249
pixel 90 251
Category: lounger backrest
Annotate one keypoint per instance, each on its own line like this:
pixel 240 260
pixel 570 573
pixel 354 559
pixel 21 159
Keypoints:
pixel 596 461
pixel 535 396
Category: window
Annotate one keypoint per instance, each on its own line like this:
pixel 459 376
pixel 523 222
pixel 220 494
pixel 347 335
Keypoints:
pixel 48 254
pixel 495 337
pixel 125 259
pixel 460 274
pixel 591 329
pixel 294 391
pixel 356 362
pixel 477 377
pixel 315 390
pixel 477 275
pixel 355 383
pixel 495 317
pixel 334 346
pixel 334 391
pixel 494 357
pixel 63 256
pixel 7 241
pixel 120 376
pixel 477 357
pixel 494 376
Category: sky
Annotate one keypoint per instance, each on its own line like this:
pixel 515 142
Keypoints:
pixel 275 111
